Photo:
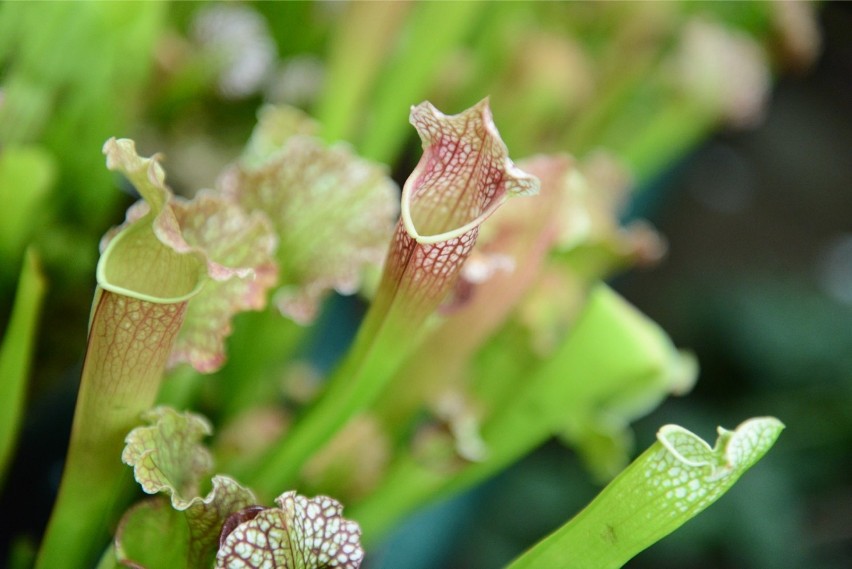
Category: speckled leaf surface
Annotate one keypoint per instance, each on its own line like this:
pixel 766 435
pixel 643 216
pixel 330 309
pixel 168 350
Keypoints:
pixel 332 211
pixel 464 175
pixel 669 484
pixel 302 533
pixel 681 474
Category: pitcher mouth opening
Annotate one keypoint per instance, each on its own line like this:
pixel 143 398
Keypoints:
pixel 186 272
pixel 464 175
pixel 411 228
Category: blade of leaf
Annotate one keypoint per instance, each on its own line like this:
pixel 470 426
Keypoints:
pixel 26 176
pixel 16 354
pixel 669 484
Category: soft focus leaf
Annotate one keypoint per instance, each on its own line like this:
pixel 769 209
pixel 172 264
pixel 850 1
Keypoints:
pixel 724 70
pixel 275 124
pixel 432 32
pixel 573 391
pixel 168 455
pixel 302 533
pixel 360 44
pixel 352 463
pixel 594 413
pixel 73 74
pixel 235 37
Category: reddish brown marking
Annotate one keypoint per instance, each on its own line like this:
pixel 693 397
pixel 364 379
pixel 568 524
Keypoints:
pixel 237 518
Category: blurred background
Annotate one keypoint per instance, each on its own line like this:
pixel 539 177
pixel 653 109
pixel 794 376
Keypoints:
pixel 734 119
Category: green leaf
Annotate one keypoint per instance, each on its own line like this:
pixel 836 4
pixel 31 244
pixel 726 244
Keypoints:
pixel 669 484
pixel 360 44
pixel 302 533
pixel 572 391
pixel 147 258
pixel 275 125
pixel 590 397
pixel 167 457
pixel 16 354
pixel 73 75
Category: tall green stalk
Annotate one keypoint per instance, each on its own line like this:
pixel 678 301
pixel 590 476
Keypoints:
pixel 138 308
pixel 16 353
pixel 130 341
pixel 669 484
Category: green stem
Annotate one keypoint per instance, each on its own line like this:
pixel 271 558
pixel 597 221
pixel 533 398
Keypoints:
pixel 608 105
pixel 672 131
pixel 434 29
pixel 129 344
pixel 358 50
pixel 384 340
pixel 108 559
pixel 180 388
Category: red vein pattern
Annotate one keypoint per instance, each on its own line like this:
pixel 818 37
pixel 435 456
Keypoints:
pixel 302 533
pixel 464 175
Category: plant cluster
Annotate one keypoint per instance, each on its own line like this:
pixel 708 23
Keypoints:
pixel 488 329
